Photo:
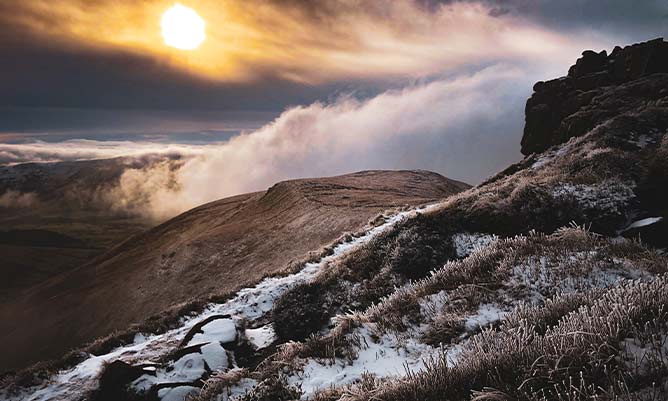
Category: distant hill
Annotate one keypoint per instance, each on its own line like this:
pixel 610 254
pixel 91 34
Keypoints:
pixel 65 197
pixel 53 218
pixel 40 238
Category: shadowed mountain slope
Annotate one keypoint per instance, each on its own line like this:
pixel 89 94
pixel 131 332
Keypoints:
pixel 208 251
pixel 57 216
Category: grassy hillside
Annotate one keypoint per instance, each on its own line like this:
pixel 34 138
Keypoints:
pixel 205 253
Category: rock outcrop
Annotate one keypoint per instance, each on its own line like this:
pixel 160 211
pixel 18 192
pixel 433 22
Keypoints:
pixel 560 109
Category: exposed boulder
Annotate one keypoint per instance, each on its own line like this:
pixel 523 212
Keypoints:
pixel 114 382
pixel 554 113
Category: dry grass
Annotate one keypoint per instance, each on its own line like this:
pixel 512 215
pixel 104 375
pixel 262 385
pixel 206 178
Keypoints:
pixel 478 279
pixel 573 360
pixel 219 383
pixel 275 388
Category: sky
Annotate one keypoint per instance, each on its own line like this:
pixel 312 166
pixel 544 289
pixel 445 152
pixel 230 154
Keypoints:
pixel 293 88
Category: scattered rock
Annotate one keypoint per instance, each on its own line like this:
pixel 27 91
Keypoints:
pixel 114 382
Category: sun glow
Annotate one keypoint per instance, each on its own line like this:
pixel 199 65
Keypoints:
pixel 182 28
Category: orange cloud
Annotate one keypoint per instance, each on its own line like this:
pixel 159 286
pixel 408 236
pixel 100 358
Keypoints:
pixel 299 41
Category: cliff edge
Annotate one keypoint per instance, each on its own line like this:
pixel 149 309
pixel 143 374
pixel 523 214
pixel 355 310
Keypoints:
pixel 571 106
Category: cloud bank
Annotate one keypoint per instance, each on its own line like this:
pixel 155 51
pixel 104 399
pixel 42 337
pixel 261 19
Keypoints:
pixel 465 127
pixel 82 149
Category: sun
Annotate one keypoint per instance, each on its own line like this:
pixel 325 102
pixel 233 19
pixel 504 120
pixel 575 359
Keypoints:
pixel 182 28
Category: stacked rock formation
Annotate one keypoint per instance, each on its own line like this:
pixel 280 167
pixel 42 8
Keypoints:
pixel 557 111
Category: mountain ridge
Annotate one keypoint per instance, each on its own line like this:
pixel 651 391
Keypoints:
pixel 237 240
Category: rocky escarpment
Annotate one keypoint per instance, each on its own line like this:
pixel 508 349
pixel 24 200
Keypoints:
pixel 572 105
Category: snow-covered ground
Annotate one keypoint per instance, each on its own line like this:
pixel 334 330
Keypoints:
pixel 544 278
pixel 206 341
pixel 262 337
pixel 467 243
pixel 387 356
pixel 384 354
pixel 249 305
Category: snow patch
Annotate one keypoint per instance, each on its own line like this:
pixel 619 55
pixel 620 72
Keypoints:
pixel 223 330
pixel 262 337
pixel 645 355
pixel 487 314
pixel 544 278
pixel 642 140
pixel 643 222
pixel 609 196
pixel 432 304
pixel 467 243
pixel 551 154
pixel 384 357
pixel 237 391
pixel 176 393
pixel 215 356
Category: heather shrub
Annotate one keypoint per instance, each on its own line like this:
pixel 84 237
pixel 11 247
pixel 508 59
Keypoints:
pixel 273 389
pixel 299 312
pixel 581 351
pixel 418 249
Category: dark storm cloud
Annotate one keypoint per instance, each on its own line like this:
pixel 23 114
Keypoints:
pixel 41 68
pixel 34 75
pixel 28 124
pixel 638 18
pixel 632 20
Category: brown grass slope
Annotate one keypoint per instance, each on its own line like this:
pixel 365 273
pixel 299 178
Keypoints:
pixel 208 251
